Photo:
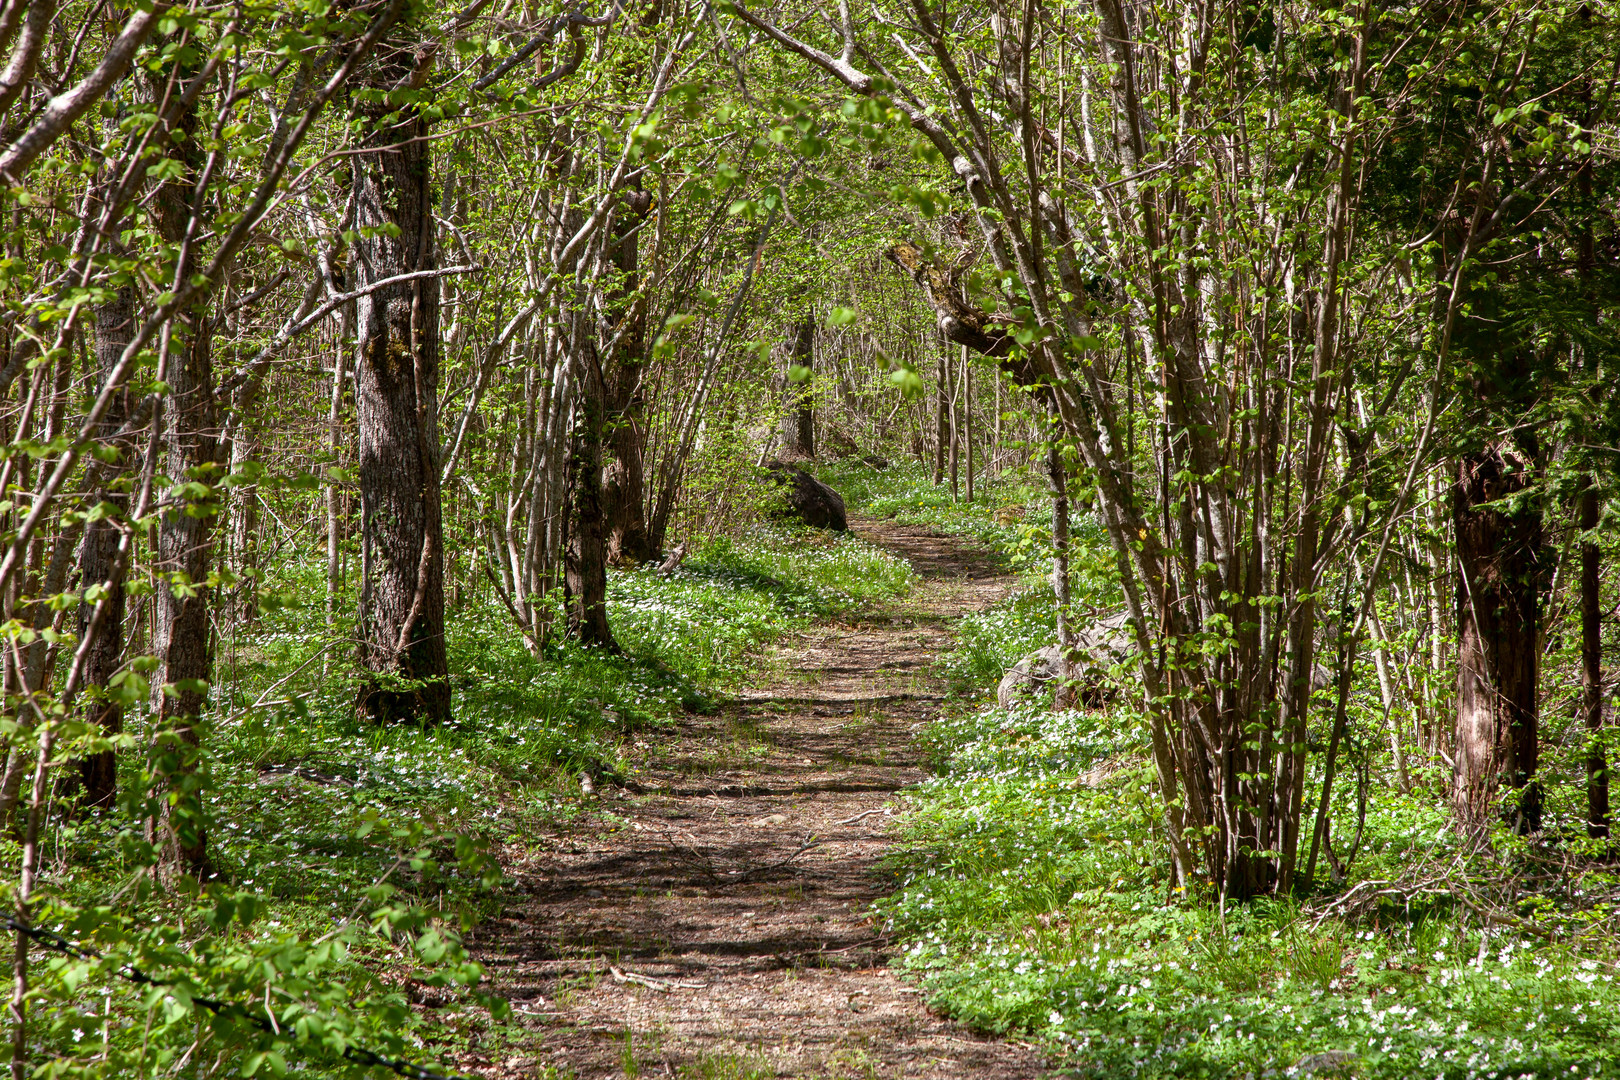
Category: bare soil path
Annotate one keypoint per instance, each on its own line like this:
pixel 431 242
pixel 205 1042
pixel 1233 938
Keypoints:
pixel 718 927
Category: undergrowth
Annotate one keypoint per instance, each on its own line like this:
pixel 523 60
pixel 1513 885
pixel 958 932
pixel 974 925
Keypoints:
pixel 349 858
pixel 1034 894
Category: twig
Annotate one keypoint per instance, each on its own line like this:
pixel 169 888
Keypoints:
pixel 663 986
pixel 860 816
pixel 810 841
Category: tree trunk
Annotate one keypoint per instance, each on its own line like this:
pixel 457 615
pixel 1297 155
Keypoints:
pixel 585 564
pixel 955 430
pixel 181 640
pixel 1597 767
pixel 624 486
pixel 99 772
pixel 967 418
pixel 396 404
pixel 1498 614
pixel 181 645
pixel 1057 477
pixel 942 422
pixel 799 415
pixel 244 519
pixel 334 490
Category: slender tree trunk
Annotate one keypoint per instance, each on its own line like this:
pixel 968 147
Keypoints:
pixel 1386 691
pixel 967 418
pixel 99 772
pixel 334 490
pixel 955 429
pixel 396 405
pixel 1057 478
pixel 1498 614
pixel 244 520
pixel 1597 767
pixel 798 414
pixel 942 422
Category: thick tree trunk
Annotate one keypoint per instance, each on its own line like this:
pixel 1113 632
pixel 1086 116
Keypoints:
pixel 185 661
pixel 798 413
pixel 396 402
pixel 624 485
pixel 585 564
pixel 1498 614
pixel 98 773
pixel 1597 766
pixel 181 640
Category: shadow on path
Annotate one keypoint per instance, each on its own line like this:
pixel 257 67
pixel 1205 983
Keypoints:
pixel 731 898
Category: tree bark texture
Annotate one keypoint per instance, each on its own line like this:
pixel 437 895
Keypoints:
pixel 1498 613
pixel 181 639
pixel 798 412
pixel 396 405
pixel 1597 766
pixel 585 564
pixel 181 629
pixel 624 480
pixel 98 773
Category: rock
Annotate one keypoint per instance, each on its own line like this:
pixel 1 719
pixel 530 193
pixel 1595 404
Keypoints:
pixel 1104 644
pixel 808 499
pixel 877 461
pixel 1328 1063
pixel 1030 676
pixel 836 444
pixel 1100 646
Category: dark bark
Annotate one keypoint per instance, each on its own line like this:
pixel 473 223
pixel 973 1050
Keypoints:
pixel 1597 766
pixel 98 773
pixel 1498 615
pixel 185 660
pixel 181 641
pixel 585 563
pixel 396 404
pixel 624 490
pixel 798 414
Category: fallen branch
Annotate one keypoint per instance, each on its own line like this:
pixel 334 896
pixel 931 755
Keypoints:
pixel 663 986
pixel 860 816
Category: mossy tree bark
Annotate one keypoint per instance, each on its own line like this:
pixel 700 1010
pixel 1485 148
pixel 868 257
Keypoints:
pixel 396 405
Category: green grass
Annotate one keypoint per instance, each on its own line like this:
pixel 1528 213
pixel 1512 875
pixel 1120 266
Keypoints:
pixel 318 816
pixel 1032 888
pixel 1034 899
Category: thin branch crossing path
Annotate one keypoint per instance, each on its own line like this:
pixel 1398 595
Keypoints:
pixel 714 923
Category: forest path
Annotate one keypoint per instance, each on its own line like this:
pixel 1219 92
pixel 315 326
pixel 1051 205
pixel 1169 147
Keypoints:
pixel 718 927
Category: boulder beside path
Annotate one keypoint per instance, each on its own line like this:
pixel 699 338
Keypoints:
pixel 808 499
pixel 1083 677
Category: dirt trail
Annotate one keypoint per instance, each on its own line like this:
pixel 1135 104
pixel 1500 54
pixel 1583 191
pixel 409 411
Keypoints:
pixel 719 930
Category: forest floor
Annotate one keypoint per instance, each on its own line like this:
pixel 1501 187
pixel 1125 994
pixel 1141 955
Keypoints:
pixel 712 918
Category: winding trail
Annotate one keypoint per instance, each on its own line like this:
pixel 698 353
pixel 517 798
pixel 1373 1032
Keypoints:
pixel 718 928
